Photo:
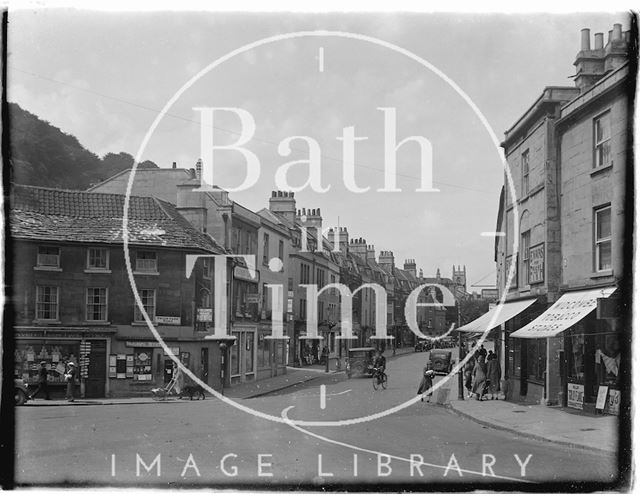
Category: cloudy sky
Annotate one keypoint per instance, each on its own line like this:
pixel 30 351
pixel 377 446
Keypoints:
pixel 104 77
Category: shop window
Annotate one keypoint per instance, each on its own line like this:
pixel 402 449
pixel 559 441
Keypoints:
pixel 146 261
pixel 525 172
pixel 603 238
pixel 148 298
pixel 263 351
pixel 514 356
pixel 96 304
pixel 48 257
pixel 142 362
pixel 608 357
pixel 575 356
pixel 602 140
pixel 97 258
pixel 47 303
pixel 28 355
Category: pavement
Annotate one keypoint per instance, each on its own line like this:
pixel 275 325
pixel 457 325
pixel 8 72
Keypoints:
pixel 553 424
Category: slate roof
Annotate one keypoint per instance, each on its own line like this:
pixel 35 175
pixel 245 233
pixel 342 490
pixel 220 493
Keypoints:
pixel 40 213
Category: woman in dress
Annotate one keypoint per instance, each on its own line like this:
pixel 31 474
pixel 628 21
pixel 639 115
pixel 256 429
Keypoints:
pixel 426 383
pixel 479 377
pixel 493 374
pixel 468 375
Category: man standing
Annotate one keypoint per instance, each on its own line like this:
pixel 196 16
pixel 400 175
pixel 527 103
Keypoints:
pixel 70 377
pixel 43 385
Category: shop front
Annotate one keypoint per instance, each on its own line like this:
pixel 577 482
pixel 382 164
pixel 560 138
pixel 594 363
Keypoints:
pixel 137 365
pixel 582 351
pixel 87 348
pixel 271 353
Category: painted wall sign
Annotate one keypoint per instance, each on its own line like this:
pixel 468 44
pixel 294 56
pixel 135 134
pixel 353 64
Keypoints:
pixel 168 320
pixel 204 315
pixel 536 264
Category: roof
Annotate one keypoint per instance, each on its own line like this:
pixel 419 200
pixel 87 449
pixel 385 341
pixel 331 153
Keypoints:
pixel 40 213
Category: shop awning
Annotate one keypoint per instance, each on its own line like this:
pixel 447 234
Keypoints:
pixel 567 311
pixel 496 316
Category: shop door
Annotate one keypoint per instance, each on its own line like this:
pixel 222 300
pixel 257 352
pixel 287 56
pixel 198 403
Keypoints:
pixel 97 375
pixel 204 365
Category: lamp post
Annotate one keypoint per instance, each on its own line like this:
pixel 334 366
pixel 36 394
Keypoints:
pixel 223 364
pixel 460 356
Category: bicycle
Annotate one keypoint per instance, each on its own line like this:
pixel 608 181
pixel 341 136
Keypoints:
pixel 379 379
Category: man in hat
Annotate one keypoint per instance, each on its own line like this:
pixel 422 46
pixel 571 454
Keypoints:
pixel 70 377
pixel 43 385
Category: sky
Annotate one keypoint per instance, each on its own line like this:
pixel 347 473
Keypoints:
pixel 105 76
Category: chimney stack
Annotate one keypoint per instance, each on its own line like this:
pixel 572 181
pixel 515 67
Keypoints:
pixel 371 253
pixel 585 42
pixel 599 41
pixel 359 247
pixel 410 265
pixel 283 204
pixel 387 261
pixel 199 169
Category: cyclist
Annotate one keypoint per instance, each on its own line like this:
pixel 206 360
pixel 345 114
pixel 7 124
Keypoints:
pixel 379 365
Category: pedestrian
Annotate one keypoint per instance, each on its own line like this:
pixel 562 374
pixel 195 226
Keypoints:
pixel 483 352
pixel 479 378
pixel 178 377
pixel 493 375
pixel 325 354
pixel 427 382
pixel 468 375
pixel 70 378
pixel 43 382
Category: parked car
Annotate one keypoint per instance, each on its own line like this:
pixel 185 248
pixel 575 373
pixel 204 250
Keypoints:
pixel 21 391
pixel 441 361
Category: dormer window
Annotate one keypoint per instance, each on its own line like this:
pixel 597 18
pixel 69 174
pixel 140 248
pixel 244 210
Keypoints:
pixel 48 257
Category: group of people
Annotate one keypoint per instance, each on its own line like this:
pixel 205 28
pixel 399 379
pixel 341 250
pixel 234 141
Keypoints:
pixel 482 375
pixel 70 375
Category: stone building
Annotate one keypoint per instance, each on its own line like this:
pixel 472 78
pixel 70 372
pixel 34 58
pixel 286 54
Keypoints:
pixel 73 301
pixel 568 156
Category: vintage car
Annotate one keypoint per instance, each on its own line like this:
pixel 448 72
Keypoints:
pixel 440 361
pixel 21 391
pixel 360 361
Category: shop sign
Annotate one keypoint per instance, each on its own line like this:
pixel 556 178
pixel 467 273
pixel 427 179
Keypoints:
pixel 168 320
pixel 536 264
pixel 204 315
pixel 174 350
pixel 142 344
pixel 575 395
pixel 613 403
pixel 602 397
pixel 252 298
pixel 242 273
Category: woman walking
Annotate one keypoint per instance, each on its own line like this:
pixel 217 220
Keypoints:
pixel 468 375
pixel 426 383
pixel 493 375
pixel 479 378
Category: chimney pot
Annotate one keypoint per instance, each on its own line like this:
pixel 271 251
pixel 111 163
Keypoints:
pixel 174 165
pixel 318 211
pixel 585 44
pixel 617 31
pixel 291 194
pixel 273 193
pixel 599 41
pixel 609 38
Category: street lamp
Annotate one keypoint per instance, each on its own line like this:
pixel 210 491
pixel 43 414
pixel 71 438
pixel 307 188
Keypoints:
pixel 223 364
